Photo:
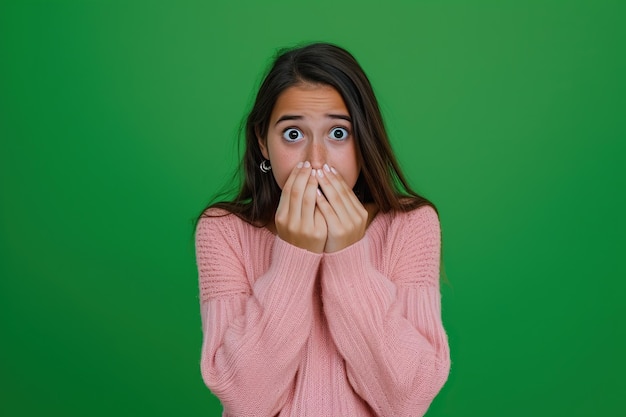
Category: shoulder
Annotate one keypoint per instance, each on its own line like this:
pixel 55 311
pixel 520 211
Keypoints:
pixel 417 229
pixel 213 212
pixel 216 222
pixel 422 230
pixel 423 217
pixel 220 255
pixel 221 225
pixel 396 230
pixel 213 216
pixel 407 244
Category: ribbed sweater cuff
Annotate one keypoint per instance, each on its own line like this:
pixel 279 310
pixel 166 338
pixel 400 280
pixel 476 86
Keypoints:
pixel 291 275
pixel 349 276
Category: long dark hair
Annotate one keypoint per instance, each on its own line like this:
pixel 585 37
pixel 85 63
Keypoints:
pixel 380 181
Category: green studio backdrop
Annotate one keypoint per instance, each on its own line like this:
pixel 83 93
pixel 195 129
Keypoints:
pixel 118 122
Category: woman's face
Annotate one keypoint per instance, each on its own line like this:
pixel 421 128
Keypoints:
pixel 310 122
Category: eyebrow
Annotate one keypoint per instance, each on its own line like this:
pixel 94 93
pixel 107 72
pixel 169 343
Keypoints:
pixel 297 117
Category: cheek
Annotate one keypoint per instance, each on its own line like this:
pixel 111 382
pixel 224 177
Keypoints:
pixel 349 175
pixel 282 163
pixel 348 167
pixel 281 169
pixel 348 170
pixel 280 178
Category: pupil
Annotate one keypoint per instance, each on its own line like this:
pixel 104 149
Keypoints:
pixel 338 134
pixel 293 134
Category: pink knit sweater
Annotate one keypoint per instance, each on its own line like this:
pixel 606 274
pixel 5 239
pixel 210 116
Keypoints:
pixel 292 333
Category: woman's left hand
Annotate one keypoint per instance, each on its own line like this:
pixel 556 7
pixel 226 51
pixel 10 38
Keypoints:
pixel 345 216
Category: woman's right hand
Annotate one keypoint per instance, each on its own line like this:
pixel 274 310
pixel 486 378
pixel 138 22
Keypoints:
pixel 298 219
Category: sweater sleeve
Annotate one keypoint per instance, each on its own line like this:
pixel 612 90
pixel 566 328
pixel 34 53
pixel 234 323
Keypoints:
pixel 388 328
pixel 253 335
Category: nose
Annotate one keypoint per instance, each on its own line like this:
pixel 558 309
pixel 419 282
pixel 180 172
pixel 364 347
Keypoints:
pixel 316 154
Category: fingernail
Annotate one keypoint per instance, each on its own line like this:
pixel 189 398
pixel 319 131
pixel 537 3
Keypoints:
pixel 299 165
pixel 326 168
pixel 333 170
pixel 313 171
pixel 319 192
pixel 320 173
pixel 307 164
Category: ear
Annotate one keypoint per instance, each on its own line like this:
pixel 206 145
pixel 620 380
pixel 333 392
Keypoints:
pixel 262 144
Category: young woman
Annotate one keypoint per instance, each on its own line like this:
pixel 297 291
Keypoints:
pixel 319 282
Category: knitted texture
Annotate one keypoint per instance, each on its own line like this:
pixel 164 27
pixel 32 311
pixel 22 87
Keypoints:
pixel 289 332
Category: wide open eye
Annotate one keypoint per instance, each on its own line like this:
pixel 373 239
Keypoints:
pixel 292 134
pixel 339 133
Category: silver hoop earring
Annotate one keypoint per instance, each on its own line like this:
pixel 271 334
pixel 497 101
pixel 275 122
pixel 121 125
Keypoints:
pixel 265 166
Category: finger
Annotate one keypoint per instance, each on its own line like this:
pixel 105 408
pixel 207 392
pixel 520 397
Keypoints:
pixel 282 210
pixel 347 191
pixel 309 200
pixel 328 211
pixel 296 193
pixel 334 193
pixel 350 211
pixel 320 222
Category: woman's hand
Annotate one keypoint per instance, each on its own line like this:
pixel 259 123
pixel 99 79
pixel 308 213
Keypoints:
pixel 345 216
pixel 298 220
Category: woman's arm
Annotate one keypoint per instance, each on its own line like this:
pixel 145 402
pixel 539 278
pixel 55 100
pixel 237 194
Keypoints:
pixel 252 335
pixel 389 329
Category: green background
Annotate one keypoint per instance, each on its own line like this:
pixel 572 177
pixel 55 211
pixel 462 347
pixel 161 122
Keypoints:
pixel 118 122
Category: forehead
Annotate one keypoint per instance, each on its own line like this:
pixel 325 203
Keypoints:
pixel 309 100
